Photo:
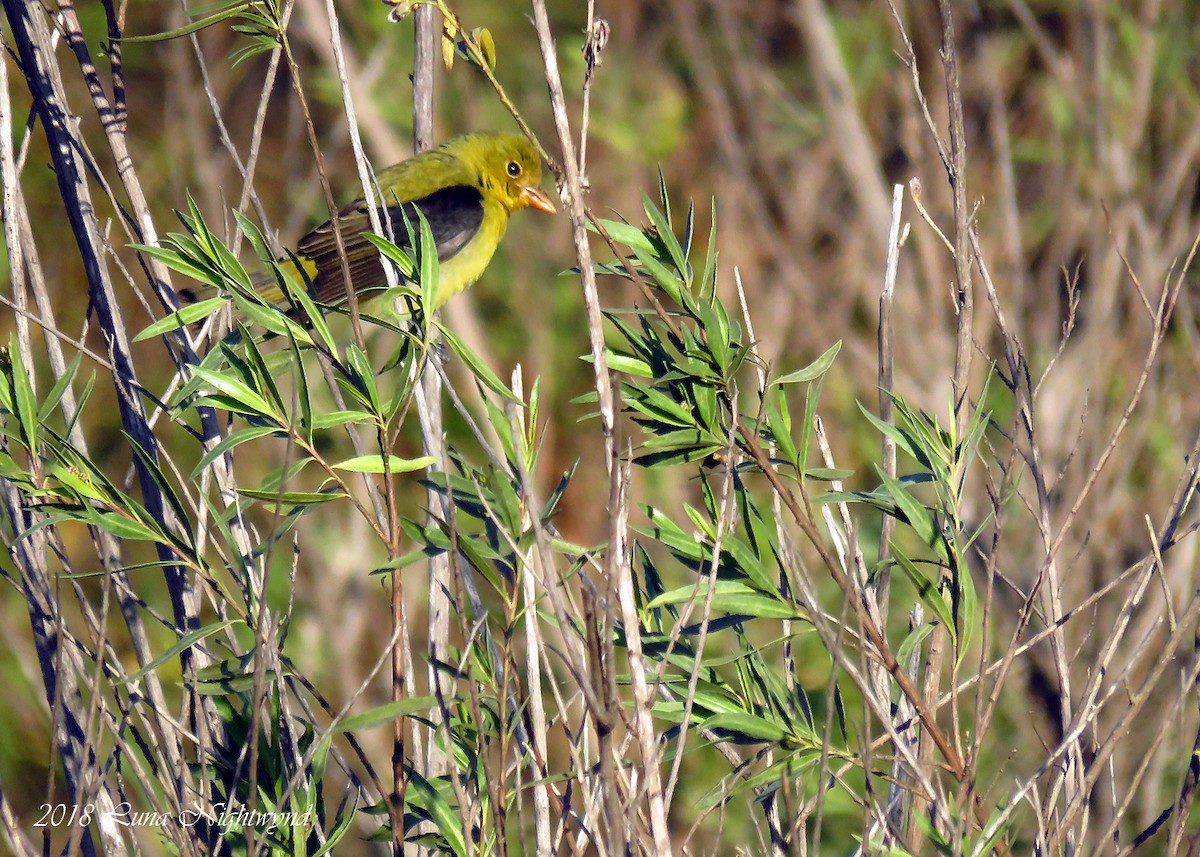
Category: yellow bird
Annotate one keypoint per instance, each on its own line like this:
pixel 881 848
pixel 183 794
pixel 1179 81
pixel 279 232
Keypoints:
pixel 466 189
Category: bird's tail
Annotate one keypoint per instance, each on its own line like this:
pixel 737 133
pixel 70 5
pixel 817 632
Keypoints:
pixel 265 283
pixel 299 270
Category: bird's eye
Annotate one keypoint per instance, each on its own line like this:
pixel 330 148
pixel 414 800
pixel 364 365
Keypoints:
pixel 514 169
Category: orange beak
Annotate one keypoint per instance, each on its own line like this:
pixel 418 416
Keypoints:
pixel 535 197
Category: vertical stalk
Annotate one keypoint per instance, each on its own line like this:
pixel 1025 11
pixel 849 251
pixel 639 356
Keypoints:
pixel 956 169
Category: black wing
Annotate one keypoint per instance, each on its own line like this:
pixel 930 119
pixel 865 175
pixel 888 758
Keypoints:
pixel 454 214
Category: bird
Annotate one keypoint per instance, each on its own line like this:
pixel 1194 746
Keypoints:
pixel 466 188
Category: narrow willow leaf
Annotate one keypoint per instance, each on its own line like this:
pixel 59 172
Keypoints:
pixel 623 233
pixel 915 513
pixel 813 370
pixel 480 369
pixel 188 29
pixel 59 389
pixel 23 398
pixel 184 642
pixel 666 235
pixel 446 817
pixel 625 363
pixel 75 482
pixel 395 254
pixel 827 474
pixel 235 391
pixel 664 276
pixel 731 596
pixel 362 376
pixel 902 439
pixel 123 527
pixel 427 264
pixel 927 588
pixel 387 713
pixel 967 610
pixel 174 260
pixel 293 498
pixel 658 405
pixel 910 643
pixel 182 317
pixel 234 439
pixel 333 419
pixel 708 277
pixel 151 465
pixel 374 464
pixel 748 727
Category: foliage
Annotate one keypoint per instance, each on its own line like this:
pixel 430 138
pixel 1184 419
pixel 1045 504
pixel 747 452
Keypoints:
pixel 756 613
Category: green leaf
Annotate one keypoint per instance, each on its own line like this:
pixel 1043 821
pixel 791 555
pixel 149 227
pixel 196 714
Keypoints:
pixel 272 319
pixel 292 498
pixel 339 829
pixel 184 642
pixel 826 474
pixel 151 465
pixel 660 407
pixel 927 589
pixel 427 264
pixel 446 817
pixel 182 317
pixel 779 419
pixel 487 46
pixel 334 419
pixel 730 596
pixel 236 392
pixel 623 233
pixel 717 331
pixel 749 727
pixel 666 235
pixel 224 259
pixel 255 368
pixel 910 643
pixel 375 464
pixel 82 486
pixel 813 370
pixel 914 511
pixel 297 293
pixel 59 389
pixel 303 396
pixel 625 363
pixel 81 403
pixel 23 398
pixel 176 262
pixel 386 713
pixel 188 29
pixel 705 398
pixel 903 441
pixel 123 527
pixel 393 253
pixel 478 368
pixel 362 377
pixel 796 765
pixel 708 278
pixel 233 675
pixel 664 276
pixel 812 396
pixel 966 605
pixel 681 439
pixel 672 457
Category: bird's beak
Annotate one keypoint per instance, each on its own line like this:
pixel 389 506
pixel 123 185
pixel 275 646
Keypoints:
pixel 535 197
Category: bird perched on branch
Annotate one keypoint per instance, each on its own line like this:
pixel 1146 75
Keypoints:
pixel 466 189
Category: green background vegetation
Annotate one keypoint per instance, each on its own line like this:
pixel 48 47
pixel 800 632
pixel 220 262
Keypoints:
pixel 1082 126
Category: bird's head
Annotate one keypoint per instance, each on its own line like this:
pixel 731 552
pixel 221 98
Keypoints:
pixel 508 165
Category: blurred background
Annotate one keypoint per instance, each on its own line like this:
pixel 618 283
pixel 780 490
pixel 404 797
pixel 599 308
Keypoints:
pixel 798 117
